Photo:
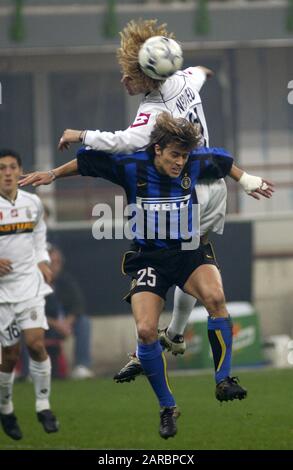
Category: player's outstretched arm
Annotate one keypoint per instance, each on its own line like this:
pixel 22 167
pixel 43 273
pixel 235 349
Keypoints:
pixel 254 186
pixel 47 177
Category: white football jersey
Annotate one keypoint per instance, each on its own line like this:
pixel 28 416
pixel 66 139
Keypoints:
pixel 179 95
pixel 23 242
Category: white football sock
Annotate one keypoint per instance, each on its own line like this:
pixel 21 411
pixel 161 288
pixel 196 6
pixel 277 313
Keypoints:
pixel 6 386
pixel 41 376
pixel 183 306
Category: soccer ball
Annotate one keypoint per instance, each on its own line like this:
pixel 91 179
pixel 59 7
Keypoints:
pixel 159 57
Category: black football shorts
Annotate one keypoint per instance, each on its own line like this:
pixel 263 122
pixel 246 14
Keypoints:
pixel 158 270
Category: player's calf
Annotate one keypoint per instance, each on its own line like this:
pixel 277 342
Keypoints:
pixel 133 368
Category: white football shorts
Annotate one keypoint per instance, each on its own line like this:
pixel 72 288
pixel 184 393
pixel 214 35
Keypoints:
pixel 20 316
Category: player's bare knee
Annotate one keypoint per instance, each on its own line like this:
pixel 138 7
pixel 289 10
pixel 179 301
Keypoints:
pixel 146 333
pixel 37 349
pixel 215 302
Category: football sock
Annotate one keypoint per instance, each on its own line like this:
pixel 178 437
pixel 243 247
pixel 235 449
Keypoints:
pixel 6 386
pixel 220 338
pixel 154 365
pixel 183 305
pixel 41 376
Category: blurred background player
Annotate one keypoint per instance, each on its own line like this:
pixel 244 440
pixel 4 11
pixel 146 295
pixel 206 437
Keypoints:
pixel 178 95
pixel 23 271
pixel 65 314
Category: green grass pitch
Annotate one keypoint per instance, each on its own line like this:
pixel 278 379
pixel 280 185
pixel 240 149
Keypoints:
pixel 100 414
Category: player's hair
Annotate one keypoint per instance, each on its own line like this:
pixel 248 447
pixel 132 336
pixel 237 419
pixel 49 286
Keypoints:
pixel 169 130
pixel 132 38
pixel 5 152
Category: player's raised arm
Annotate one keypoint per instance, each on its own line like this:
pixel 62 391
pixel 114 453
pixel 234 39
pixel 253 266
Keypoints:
pixel 47 177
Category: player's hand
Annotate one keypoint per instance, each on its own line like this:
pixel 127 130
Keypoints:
pixel 46 271
pixel 209 73
pixel 255 185
pixel 36 179
pixel 266 190
pixel 70 136
pixel 5 266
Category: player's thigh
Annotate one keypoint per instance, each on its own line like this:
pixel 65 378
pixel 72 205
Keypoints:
pixel 34 338
pixel 205 283
pixel 146 308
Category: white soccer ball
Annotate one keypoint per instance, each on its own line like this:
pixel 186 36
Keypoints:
pixel 159 57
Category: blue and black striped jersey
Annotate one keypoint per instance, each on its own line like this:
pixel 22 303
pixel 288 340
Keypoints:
pixel 156 194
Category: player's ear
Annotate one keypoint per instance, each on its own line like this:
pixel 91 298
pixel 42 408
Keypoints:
pixel 157 150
